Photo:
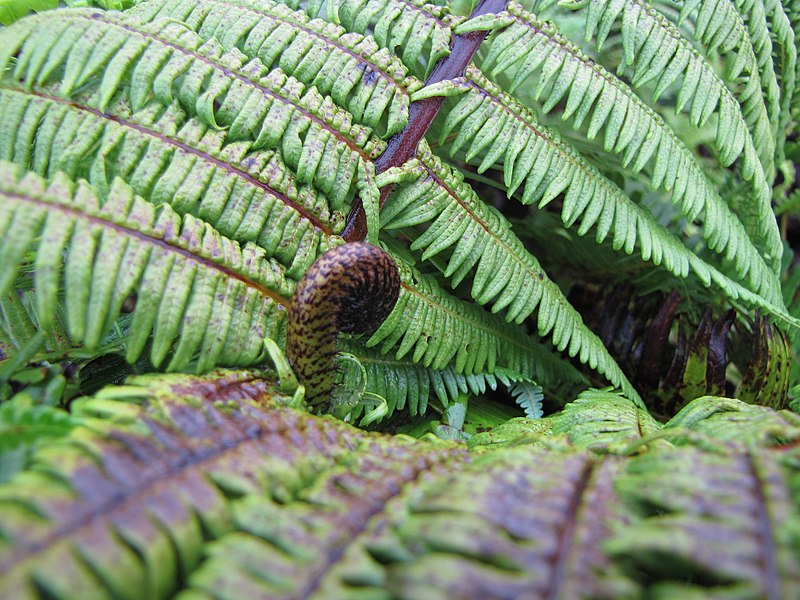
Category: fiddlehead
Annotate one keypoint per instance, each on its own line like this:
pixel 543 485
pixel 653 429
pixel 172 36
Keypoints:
pixel 351 289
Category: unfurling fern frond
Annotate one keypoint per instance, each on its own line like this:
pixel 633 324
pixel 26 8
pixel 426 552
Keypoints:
pixel 371 83
pixel 122 244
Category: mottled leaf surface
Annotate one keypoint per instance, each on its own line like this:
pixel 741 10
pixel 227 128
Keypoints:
pixel 214 487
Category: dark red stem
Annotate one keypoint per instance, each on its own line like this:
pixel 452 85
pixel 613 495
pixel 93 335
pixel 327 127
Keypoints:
pixel 403 145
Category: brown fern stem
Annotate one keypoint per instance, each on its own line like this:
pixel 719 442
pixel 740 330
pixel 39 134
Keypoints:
pixel 403 145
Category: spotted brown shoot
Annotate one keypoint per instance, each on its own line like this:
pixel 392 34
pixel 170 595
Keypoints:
pixel 350 289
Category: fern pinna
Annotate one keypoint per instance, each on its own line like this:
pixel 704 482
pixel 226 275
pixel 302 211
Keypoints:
pixel 211 150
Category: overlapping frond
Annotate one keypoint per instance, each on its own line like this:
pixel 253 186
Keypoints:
pixel 491 126
pixel 98 251
pixel 721 28
pixel 761 50
pixel 209 487
pixel 261 124
pixel 438 330
pixel 481 239
pixel 792 11
pixel 657 50
pixel 743 126
pixel 367 80
pixel 525 47
pixel 168 157
pixel 409 386
pixel 168 61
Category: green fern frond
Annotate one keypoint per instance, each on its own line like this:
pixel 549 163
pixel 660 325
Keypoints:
pixel 792 10
pixel 24 426
pixel 167 61
pixel 234 292
pixel 743 125
pixel 408 386
pixel 765 48
pixel 527 46
pixel 420 31
pixel 20 324
pixel 167 157
pixel 784 55
pixel 367 80
pixel 492 125
pixel 507 274
pixel 247 195
pixel 722 28
pixel 603 421
pixel 437 330
pixel 701 88
pixel 750 552
pixel 528 394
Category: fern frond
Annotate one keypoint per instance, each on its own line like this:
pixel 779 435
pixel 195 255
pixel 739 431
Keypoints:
pixel 437 330
pixel 768 27
pixel 406 385
pixel 367 80
pixel 742 517
pixel 784 55
pixel 792 11
pixel 603 421
pixel 506 274
pixel 209 487
pixel 670 57
pixel 528 394
pixel 24 426
pixel 527 46
pixel 421 32
pixel 122 244
pixel 167 157
pixel 492 125
pixel 744 24
pixel 721 28
pixel 742 119
pixel 736 422
pixel 168 61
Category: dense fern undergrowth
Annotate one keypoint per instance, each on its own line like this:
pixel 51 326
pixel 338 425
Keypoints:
pixel 595 224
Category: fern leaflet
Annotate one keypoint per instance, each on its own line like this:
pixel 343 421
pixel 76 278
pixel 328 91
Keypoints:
pixel 235 290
